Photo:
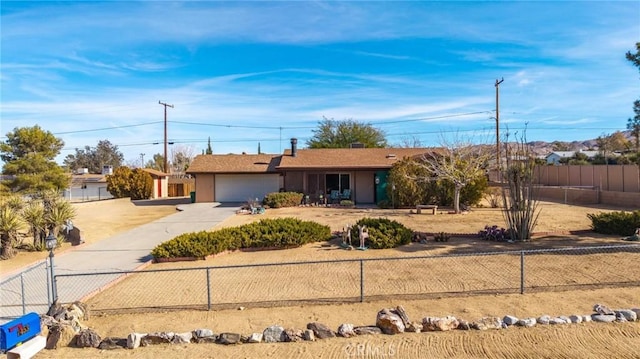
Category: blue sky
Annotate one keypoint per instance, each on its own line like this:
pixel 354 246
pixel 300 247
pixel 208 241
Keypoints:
pixel 244 73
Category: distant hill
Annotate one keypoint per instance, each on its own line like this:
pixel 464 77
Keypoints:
pixel 544 148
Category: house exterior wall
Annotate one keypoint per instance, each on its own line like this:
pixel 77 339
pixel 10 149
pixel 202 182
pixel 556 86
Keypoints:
pixel 294 181
pixel 364 187
pixel 205 187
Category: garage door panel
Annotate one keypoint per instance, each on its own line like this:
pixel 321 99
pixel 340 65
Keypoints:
pixel 241 188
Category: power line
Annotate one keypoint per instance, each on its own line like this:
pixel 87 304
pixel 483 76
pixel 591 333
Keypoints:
pixel 106 128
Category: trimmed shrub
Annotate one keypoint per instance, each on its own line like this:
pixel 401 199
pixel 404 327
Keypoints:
pixel 620 223
pixel 383 233
pixel 282 199
pixel 278 233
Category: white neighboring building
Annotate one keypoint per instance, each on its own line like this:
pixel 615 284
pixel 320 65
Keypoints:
pixel 554 157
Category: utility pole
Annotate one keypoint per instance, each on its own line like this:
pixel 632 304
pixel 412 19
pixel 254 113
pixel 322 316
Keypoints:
pixel 498 82
pixel 165 135
pixel 142 160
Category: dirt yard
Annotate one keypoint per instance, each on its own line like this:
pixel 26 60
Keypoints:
pixel 592 340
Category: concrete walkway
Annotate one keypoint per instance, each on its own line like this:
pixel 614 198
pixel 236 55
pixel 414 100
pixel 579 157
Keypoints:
pixel 123 252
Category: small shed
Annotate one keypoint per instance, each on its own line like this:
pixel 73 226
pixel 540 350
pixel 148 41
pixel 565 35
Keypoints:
pixel 160 183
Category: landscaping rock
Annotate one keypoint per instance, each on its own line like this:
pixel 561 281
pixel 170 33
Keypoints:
pixel 389 322
pixel 628 314
pixel 566 319
pixel 463 325
pixel 509 320
pixel 77 310
pixel 637 311
pixel 203 335
pixel 544 319
pixel 308 335
pixel 557 320
pixel 603 309
pixel 413 327
pixel 182 338
pixel 364 330
pixel 575 319
pixel 293 335
pixel 603 318
pixel 157 338
pixel 320 330
pixel 620 318
pixel 87 338
pixel 586 318
pixel 254 338
pixel 134 340
pixel 487 323
pixel 273 334
pixel 527 323
pixel 111 343
pixel 346 330
pixel 403 315
pixel 228 338
pixel 60 335
pixel 439 324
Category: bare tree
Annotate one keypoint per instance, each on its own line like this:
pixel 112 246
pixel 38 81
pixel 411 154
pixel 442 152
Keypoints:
pixel 519 194
pixel 181 157
pixel 460 162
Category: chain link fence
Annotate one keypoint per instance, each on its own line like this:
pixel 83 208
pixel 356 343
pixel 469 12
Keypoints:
pixel 28 291
pixel 340 281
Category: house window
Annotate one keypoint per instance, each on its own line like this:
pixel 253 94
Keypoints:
pixel 337 181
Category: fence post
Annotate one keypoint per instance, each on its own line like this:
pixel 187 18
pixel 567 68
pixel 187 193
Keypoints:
pixel 361 281
pixel 24 310
pixel 521 272
pixel 208 289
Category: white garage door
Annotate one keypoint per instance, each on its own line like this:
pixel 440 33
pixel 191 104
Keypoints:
pixel 241 188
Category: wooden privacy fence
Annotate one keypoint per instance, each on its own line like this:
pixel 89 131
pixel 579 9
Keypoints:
pixel 181 187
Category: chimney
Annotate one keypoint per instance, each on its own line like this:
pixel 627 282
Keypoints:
pixel 294 147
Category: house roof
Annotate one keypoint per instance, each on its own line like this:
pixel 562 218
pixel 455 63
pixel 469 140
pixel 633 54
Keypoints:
pixel 347 158
pixel 565 154
pixel 232 163
pixel 78 181
pixel 155 172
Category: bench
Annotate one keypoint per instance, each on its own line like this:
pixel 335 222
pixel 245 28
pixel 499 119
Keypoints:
pixel 420 207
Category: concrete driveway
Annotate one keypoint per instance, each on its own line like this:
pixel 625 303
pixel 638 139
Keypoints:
pixel 123 252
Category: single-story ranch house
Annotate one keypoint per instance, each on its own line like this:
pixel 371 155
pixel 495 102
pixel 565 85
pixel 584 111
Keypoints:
pixel 362 172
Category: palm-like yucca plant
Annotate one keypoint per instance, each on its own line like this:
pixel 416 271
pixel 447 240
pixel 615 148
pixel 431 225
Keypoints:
pixel 35 216
pixel 10 224
pixel 59 213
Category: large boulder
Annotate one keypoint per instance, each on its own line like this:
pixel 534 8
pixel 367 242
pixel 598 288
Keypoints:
pixel 321 331
pixel 182 338
pixel 60 335
pixel 293 335
pixel 273 334
pixel 87 338
pixel 509 320
pixel 389 322
pixel 603 318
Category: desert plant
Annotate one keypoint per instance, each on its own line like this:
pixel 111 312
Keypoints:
pixel 383 233
pixel 282 199
pixel 493 233
pixel 279 232
pixel 10 224
pixel 519 196
pixel 494 197
pixel 619 222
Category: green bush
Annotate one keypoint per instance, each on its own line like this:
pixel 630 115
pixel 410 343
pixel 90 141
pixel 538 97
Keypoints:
pixel 383 233
pixel 282 199
pixel 620 223
pixel 279 232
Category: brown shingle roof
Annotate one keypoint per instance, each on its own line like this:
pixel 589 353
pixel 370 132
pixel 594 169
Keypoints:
pixel 234 163
pixel 347 158
pixel 155 172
